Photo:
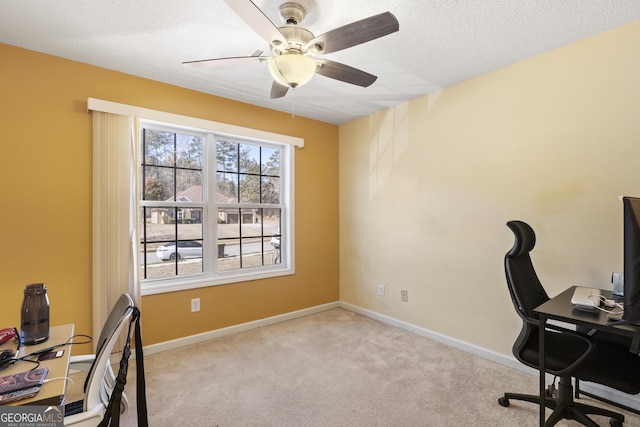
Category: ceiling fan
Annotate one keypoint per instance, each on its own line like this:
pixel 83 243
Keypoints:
pixel 294 49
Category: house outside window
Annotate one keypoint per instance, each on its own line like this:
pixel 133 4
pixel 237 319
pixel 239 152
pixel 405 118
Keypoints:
pixel 214 209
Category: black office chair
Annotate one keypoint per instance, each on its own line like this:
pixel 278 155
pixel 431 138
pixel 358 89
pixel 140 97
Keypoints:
pixel 567 353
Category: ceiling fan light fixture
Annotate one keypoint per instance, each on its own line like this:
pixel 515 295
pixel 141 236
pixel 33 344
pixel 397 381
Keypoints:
pixel 292 69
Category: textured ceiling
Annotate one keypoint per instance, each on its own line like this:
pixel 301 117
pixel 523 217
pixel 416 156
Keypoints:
pixel 440 43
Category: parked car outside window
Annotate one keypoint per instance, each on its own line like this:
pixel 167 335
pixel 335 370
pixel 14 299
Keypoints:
pixel 186 249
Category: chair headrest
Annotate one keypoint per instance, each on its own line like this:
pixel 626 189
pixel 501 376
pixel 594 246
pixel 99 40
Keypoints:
pixel 525 238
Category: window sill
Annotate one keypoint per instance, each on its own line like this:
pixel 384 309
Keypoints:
pixel 160 286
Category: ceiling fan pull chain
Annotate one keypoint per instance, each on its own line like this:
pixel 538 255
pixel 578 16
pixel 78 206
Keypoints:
pixel 293 105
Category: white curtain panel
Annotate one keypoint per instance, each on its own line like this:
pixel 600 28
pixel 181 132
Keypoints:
pixel 115 253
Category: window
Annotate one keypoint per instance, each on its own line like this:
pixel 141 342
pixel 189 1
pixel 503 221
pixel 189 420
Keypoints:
pixel 214 208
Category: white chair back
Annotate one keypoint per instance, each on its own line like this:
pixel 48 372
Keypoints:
pixel 100 379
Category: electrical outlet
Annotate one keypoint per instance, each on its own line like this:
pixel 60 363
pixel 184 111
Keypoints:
pixel 404 295
pixel 381 290
pixel 195 305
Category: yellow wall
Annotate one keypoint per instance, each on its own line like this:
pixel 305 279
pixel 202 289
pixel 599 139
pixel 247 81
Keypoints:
pixel 45 176
pixel 427 187
pixel 425 191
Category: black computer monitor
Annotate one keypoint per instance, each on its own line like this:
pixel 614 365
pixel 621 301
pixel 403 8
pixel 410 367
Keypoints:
pixel 631 298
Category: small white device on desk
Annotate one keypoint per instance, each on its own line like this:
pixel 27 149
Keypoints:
pixel 588 299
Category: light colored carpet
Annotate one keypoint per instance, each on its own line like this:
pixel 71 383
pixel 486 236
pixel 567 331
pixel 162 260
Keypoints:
pixel 335 368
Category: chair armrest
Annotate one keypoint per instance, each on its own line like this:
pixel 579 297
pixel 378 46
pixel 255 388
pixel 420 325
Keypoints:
pixel 573 336
pixel 587 335
pixel 568 343
pixel 555 327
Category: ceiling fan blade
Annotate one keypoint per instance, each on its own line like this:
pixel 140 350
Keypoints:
pixel 344 73
pixel 278 90
pixel 257 20
pixel 355 33
pixel 202 63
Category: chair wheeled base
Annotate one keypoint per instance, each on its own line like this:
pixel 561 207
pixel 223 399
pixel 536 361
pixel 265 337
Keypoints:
pixel 564 407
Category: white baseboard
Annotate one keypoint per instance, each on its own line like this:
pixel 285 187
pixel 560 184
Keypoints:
pixel 503 359
pixel 217 333
pixel 500 358
pixel 510 361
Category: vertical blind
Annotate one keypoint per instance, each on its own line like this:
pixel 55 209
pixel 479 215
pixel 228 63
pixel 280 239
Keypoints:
pixel 114 214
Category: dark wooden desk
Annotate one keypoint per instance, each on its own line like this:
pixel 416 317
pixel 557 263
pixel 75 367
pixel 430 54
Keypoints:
pixel 560 308
pixel 52 393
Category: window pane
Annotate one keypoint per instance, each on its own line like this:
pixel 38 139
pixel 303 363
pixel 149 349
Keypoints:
pixel 270 161
pixel 158 183
pixel 228 239
pixel 189 185
pixel 251 226
pixel 249 189
pixel 190 267
pixel 227 188
pixel 270 190
pixel 249 159
pixel 251 246
pixel 158 147
pixel 189 223
pixel 272 227
pixel 226 156
pixel 188 151
pixel 271 221
pixel 228 223
pixel 252 254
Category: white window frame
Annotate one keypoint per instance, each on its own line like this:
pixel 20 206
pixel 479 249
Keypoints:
pixel 287 266
pixel 211 276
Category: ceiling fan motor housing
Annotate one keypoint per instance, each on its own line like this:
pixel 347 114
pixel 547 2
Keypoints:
pixel 292 13
pixel 296 37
